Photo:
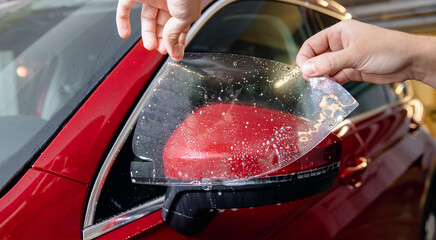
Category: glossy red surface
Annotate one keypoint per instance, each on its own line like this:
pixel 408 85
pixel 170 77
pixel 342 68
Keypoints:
pixel 226 141
pixel 49 200
pixel 325 153
pixel 383 128
pixel 386 205
pixel 377 210
pixel 42 205
pixel 77 150
pixel 332 214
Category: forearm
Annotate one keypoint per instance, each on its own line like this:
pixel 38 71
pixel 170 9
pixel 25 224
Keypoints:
pixel 424 59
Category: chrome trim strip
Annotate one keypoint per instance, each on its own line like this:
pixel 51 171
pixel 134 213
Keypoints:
pixel 210 11
pixel 108 162
pixel 101 228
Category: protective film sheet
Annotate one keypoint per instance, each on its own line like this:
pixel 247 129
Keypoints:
pixel 223 119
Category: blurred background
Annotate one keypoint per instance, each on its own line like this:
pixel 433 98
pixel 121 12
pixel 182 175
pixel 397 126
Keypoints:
pixel 416 16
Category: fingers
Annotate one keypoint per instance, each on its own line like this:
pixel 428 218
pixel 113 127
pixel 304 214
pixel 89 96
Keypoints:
pixel 354 51
pixel 152 22
pixel 350 74
pixel 343 76
pixel 328 63
pixel 324 54
pixel 184 13
pixel 163 32
pixel 148 26
pixel 122 17
pixel 347 75
pixel 312 47
pixel 164 24
pixel 173 39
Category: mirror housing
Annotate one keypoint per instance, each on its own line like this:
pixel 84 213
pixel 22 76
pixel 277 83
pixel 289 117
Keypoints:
pixel 189 209
pixel 227 154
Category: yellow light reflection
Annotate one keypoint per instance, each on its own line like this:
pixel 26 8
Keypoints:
pixel 415 110
pixel 22 71
pixel 348 16
pixel 293 73
pixel 338 6
pixel 342 128
pixel 323 3
pixel 399 88
pixel 343 131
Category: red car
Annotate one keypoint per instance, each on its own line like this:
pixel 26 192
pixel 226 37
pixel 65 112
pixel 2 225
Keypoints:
pixel 72 93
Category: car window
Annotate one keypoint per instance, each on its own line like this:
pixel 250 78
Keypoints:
pixel 272 30
pixel 326 21
pixel 119 193
pixel 369 96
pixel 52 54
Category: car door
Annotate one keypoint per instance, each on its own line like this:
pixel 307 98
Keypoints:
pixel 272 30
pixel 392 188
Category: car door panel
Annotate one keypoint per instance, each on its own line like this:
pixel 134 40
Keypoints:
pixel 396 212
pixel 278 221
pixel 42 205
pixel 394 170
pixel 383 129
pixel 332 216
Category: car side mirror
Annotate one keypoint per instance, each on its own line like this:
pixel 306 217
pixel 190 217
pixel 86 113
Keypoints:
pixel 233 131
pixel 189 209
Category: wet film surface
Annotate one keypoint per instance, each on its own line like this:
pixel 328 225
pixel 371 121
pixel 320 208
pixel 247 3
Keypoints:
pixel 222 119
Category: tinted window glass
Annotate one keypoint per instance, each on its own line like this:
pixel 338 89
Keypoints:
pixel 326 21
pixel 52 54
pixel 119 193
pixel 271 30
pixel 368 95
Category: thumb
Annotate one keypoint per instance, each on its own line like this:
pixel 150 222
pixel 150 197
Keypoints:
pixel 328 63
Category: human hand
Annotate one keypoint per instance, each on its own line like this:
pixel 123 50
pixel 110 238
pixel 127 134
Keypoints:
pixel 355 51
pixel 164 23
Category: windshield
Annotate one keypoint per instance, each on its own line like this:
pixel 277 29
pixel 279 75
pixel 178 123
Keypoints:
pixel 52 54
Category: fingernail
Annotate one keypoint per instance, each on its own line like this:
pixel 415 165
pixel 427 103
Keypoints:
pixel 146 45
pixel 180 50
pixel 149 45
pixel 182 54
pixel 309 68
pixel 124 33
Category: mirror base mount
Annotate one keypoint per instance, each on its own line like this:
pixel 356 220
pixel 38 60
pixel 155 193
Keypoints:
pixel 189 209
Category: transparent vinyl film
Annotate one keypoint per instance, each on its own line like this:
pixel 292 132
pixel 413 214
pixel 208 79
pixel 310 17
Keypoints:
pixel 224 119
